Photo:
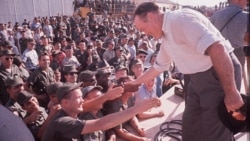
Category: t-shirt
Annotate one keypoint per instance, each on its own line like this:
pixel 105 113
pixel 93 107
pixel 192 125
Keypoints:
pixel 94 136
pixel 63 128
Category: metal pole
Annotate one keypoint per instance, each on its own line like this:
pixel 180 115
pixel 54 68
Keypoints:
pixel 15 10
pixel 62 7
pixel 34 9
pixel 49 8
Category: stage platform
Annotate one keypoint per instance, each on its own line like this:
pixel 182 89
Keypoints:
pixel 173 107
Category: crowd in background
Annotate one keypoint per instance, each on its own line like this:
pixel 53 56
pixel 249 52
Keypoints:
pixel 96 51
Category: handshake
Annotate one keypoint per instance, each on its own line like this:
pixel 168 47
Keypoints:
pixel 129 87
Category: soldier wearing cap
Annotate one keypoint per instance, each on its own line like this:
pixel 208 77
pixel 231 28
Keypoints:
pixel 19 63
pixel 91 93
pixel 121 71
pixel 40 79
pixel 66 126
pixel 14 85
pixel 70 73
pixel 55 63
pixel 136 67
pixel 145 46
pixel 8 45
pixel 120 57
pixel 36 117
pixel 7 69
pixel 103 78
pixel 142 55
pixel 88 78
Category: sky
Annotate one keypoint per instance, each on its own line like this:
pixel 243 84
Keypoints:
pixel 200 2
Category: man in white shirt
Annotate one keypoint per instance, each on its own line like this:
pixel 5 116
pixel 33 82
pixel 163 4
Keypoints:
pixel 200 51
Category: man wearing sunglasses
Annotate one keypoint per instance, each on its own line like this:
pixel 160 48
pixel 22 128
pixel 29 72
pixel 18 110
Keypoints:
pixel 70 73
pixel 7 69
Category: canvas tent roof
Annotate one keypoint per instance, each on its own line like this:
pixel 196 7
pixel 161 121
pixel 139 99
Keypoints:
pixel 18 10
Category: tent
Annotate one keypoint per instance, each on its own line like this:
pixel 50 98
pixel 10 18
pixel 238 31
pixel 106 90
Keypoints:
pixel 18 10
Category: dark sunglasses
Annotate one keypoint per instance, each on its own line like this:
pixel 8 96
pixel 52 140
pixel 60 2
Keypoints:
pixel 72 73
pixel 8 58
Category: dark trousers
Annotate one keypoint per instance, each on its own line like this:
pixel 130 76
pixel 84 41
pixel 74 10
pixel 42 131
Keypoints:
pixel 204 93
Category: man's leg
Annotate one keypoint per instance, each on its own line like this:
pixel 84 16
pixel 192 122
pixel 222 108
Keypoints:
pixel 191 117
pixel 200 119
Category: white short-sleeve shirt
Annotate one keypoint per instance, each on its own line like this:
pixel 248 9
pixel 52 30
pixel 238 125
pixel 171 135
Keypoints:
pixel 187 35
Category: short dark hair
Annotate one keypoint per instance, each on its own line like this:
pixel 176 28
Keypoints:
pixel 124 79
pixel 144 8
pixel 44 53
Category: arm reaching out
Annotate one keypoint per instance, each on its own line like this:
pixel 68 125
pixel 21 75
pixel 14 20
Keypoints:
pixel 148 75
pixel 115 119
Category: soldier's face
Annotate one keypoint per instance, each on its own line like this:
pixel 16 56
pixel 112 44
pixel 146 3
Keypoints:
pixel 44 61
pixel 7 60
